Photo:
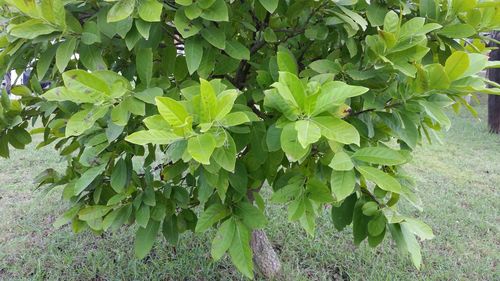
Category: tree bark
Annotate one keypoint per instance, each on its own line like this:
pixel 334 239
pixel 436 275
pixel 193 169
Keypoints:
pixel 494 100
pixel 265 257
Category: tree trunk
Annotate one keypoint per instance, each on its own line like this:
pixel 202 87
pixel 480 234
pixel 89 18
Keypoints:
pixel 494 100
pixel 494 113
pixel 264 256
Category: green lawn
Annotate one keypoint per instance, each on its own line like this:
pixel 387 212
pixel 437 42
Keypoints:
pixel 458 182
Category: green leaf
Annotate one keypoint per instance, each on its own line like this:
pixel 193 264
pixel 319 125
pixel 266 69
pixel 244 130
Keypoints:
pixel 318 191
pixel 297 208
pixel 64 94
pixel 184 2
pixel 215 36
pixel 325 66
pixel 223 239
pixel 235 119
pixel 281 100
pixel 252 217
pixel 119 176
pixel 239 178
pixel 120 114
pixel 150 10
pixel 53 11
pixel 64 53
pixel 19 137
pixel 438 79
pixel 341 161
pixel 383 180
pixel 418 228
pixel 217 11
pixel 4 146
pixel 225 103
pixel 172 111
pixel 391 22
pixel 477 63
pixel 134 106
pixel 456 65
pixel 240 251
pixel 193 50
pixel 286 62
pixel 45 61
pixel 87 178
pixel 436 113
pixel 201 147
pixel 335 93
pixel 84 120
pixel 225 156
pixel 142 215
pixel 456 31
pixel 185 27
pixel 149 95
pixel 308 220
pixel 337 129
pixel 237 50
pixel 270 35
pixel 376 13
pixel 211 215
pixel 342 215
pixel 30 29
pixel 379 155
pixel 170 229
pixel 145 238
pixel 290 143
pixel 67 216
pixel 90 33
pixel 286 193
pixel 359 223
pixel 355 17
pixel 412 246
pixel 296 88
pixel 273 138
pixel 117 218
pixel 81 81
pixel 93 212
pixel 208 102
pixel 152 136
pixel 463 5
pixel 342 183
pixel 192 12
pixel 91 58
pixel 270 5
pixel 376 225
pixel 369 208
pixel 428 8
pixel 121 10
pixel 307 132
pixel 144 65
pixel 148 198
pixel 205 4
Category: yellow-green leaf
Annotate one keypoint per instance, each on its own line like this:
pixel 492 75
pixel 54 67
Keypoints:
pixel 201 147
pixel 383 180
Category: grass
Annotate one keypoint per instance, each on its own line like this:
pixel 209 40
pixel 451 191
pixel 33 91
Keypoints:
pixel 458 182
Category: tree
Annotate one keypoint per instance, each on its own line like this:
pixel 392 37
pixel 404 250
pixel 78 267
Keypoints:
pixel 494 100
pixel 176 115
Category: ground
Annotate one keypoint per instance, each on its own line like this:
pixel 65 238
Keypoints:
pixel 458 182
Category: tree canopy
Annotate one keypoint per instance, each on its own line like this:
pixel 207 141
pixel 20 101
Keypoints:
pixel 178 115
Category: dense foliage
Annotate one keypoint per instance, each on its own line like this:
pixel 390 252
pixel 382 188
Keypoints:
pixel 177 115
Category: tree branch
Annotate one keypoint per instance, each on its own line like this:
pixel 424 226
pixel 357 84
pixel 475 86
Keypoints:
pixel 244 68
pixel 373 109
